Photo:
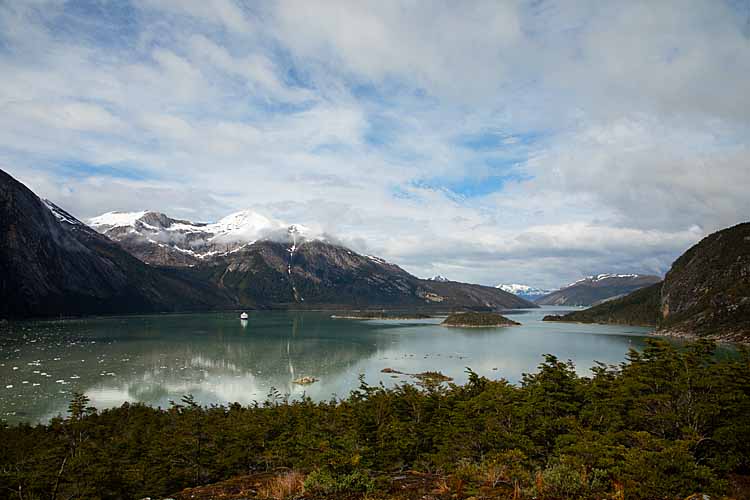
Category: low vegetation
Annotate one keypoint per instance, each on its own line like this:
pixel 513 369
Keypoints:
pixel 641 307
pixel 477 319
pixel 667 423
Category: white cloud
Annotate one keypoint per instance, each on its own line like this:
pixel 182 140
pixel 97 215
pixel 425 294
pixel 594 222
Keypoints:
pixel 621 129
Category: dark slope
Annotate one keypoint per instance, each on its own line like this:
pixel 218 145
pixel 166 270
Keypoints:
pixel 55 265
pixel 319 274
pixel 595 289
pixel 638 308
pixel 707 290
pixel 706 293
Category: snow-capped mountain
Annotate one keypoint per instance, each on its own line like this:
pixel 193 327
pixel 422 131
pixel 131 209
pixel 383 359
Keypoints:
pixel 593 289
pixel 438 277
pixel 525 291
pixel 262 260
pixel 157 238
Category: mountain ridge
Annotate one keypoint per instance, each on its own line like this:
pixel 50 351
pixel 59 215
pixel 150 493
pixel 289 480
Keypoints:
pixel 597 288
pixel 524 291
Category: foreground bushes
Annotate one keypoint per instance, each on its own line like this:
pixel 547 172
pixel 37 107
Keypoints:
pixel 665 424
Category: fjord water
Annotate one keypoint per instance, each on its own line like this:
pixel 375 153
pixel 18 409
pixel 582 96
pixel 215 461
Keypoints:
pixel 219 359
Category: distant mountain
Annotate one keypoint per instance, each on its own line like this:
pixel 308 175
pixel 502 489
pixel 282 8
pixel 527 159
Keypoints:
pixel 524 291
pixel 706 293
pixel 438 277
pixel 52 264
pixel 593 289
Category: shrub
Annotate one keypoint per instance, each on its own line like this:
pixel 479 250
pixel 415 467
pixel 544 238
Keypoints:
pixel 564 480
pixel 323 481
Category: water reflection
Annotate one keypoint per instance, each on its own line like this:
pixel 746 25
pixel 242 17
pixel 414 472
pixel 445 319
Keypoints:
pixel 158 359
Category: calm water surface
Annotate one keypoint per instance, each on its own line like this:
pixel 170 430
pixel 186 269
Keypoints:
pixel 218 359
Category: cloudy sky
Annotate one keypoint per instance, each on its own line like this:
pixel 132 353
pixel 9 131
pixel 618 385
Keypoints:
pixel 530 142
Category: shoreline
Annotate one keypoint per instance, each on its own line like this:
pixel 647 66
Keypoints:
pixel 669 334
pixel 480 326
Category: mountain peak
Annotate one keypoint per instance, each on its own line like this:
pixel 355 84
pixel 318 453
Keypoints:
pixel 438 277
pixel 524 291
pixel 114 219
pixel 601 277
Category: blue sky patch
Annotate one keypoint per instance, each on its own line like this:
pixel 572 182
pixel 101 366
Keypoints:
pixel 80 169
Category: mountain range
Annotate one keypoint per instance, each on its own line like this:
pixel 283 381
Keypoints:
pixel 525 291
pixel 52 264
pixel 586 291
pixel 596 289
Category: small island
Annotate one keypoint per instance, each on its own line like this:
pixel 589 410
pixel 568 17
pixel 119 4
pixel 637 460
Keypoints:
pixel 477 320
pixel 305 380
pixel 554 317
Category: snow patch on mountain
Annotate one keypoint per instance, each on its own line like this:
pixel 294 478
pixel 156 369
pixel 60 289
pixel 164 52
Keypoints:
pixel 601 277
pixel 115 219
pixel 203 240
pixel 243 226
pixel 60 214
pixel 438 277
pixel 375 259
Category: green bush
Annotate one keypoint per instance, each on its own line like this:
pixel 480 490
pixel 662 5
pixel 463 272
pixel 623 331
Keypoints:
pixel 565 480
pixel 323 481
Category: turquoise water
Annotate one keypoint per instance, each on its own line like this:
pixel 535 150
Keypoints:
pixel 218 359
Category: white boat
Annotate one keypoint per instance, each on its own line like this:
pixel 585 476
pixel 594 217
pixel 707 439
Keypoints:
pixel 243 315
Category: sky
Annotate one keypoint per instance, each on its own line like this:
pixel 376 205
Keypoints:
pixel 492 142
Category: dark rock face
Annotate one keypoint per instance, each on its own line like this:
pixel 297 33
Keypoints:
pixel 707 290
pixel 595 289
pixel 52 264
